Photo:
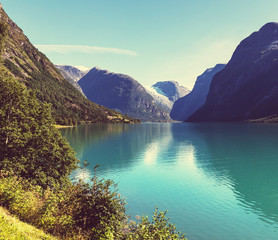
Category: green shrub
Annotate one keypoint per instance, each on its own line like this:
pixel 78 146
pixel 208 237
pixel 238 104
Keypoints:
pixel 158 228
pixel 93 211
pixel 20 197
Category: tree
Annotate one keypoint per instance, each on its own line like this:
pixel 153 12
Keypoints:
pixel 30 145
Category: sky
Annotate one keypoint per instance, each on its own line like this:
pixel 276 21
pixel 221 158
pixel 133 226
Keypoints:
pixel 150 40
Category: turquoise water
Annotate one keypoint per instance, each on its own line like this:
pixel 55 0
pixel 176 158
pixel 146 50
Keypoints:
pixel 217 181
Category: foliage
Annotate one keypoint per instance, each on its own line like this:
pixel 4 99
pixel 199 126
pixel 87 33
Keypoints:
pixel 3 35
pixel 13 68
pixel 92 211
pixel 30 145
pixel 158 228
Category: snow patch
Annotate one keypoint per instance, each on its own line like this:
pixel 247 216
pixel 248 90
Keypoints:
pixel 82 68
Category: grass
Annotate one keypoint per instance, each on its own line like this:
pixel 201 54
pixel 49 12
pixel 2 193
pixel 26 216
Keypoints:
pixel 13 229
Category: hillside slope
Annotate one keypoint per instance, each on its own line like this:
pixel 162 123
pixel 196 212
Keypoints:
pixel 35 70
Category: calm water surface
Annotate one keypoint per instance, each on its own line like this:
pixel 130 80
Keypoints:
pixel 217 181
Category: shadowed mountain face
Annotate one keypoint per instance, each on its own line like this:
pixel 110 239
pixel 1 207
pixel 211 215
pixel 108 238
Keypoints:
pixel 187 105
pixel 38 73
pixel 122 93
pixel 247 88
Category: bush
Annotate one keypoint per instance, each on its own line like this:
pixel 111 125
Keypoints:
pixel 158 228
pixel 91 211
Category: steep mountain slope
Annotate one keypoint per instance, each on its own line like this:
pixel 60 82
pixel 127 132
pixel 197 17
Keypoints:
pixel 72 74
pixel 247 88
pixel 187 105
pixel 33 68
pixel 121 92
pixel 171 89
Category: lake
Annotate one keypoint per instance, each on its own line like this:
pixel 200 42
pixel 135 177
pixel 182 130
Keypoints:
pixel 217 181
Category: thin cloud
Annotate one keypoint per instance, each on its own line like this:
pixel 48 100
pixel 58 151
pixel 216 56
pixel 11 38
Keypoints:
pixel 83 49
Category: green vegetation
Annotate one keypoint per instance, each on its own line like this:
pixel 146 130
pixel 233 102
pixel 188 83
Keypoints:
pixel 3 35
pixel 30 144
pixel 68 211
pixel 158 228
pixel 13 229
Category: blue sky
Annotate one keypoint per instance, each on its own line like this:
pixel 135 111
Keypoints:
pixel 150 40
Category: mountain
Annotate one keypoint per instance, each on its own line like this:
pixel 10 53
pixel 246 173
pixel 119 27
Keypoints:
pixel 166 93
pixel 34 69
pixel 73 74
pixel 161 100
pixel 171 89
pixel 122 93
pixel 187 105
pixel 247 88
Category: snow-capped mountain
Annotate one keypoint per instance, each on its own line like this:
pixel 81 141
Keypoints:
pixel 166 93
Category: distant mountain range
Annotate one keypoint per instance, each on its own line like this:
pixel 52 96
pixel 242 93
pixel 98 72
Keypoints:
pixel 247 88
pixel 122 93
pixel 164 93
pixel 187 105
pixel 34 69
